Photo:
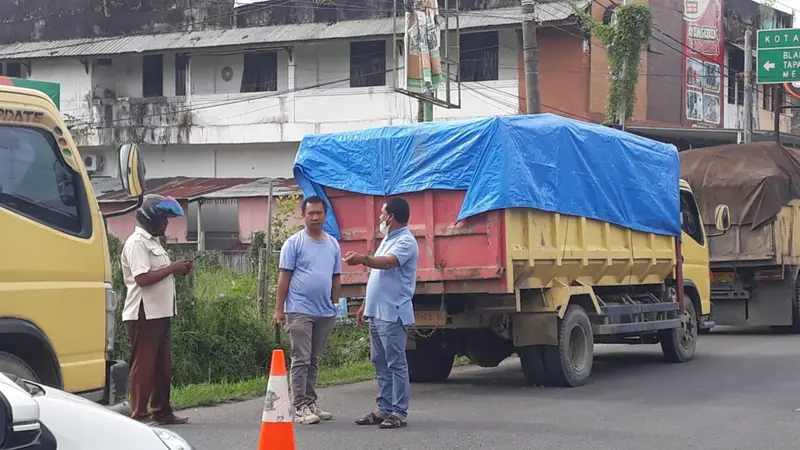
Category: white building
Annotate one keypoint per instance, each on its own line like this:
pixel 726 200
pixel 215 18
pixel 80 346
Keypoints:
pixel 236 102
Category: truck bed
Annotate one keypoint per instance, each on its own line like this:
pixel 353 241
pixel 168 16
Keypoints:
pixel 770 244
pixel 502 251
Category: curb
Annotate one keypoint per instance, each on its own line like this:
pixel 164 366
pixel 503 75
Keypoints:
pixel 122 408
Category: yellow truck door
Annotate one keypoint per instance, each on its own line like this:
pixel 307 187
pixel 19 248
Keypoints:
pixel 695 253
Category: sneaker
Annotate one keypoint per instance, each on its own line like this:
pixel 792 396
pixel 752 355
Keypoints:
pixel 305 416
pixel 323 415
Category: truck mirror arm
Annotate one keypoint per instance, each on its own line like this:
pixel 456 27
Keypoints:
pixel 139 201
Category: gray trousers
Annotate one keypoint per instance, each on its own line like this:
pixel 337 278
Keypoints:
pixel 308 335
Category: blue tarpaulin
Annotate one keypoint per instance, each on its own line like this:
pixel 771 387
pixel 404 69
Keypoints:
pixel 542 161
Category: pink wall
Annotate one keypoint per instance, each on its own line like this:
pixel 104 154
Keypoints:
pixel 122 226
pixel 253 216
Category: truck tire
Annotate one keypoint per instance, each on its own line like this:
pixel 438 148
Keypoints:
pixel 531 359
pixel 15 366
pixel 429 364
pixel 679 344
pixel 569 364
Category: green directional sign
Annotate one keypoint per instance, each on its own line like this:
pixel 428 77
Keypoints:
pixel 778 59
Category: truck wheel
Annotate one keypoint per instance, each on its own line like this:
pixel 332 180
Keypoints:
pixel 680 343
pixel 570 363
pixel 531 359
pixel 429 364
pixel 15 366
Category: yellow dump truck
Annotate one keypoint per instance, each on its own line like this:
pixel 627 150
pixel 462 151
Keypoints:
pixel 57 304
pixel 754 264
pixel 543 280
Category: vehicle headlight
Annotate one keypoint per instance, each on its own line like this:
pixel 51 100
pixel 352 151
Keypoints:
pixel 171 439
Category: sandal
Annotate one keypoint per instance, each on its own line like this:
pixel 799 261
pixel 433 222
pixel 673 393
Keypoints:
pixel 393 422
pixel 370 419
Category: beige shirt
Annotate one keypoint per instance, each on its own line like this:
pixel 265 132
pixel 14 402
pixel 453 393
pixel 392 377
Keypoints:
pixel 141 254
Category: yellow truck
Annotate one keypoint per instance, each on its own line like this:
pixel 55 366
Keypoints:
pixel 544 281
pixel 755 264
pixel 57 304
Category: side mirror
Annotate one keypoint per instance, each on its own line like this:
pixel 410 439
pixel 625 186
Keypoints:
pixel 132 175
pixel 132 170
pixel 19 416
pixel 722 217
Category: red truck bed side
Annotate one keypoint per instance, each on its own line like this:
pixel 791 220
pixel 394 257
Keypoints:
pixel 464 257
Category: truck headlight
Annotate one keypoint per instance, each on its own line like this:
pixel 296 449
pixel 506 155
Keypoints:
pixel 111 321
pixel 171 440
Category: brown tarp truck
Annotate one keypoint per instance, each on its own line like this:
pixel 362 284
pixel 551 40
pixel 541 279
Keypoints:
pixel 754 265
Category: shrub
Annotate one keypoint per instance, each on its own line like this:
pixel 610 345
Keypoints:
pixel 219 334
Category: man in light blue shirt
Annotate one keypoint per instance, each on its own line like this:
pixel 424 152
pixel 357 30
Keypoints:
pixel 308 286
pixel 388 308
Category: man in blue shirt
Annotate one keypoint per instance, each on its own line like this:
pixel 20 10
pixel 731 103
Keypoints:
pixel 389 310
pixel 308 286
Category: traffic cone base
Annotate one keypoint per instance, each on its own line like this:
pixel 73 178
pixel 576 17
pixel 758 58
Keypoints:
pixel 277 419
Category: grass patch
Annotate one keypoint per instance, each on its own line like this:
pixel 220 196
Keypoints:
pixel 209 394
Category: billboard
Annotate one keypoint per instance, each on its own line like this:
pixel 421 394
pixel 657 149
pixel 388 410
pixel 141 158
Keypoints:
pixel 422 33
pixel 703 63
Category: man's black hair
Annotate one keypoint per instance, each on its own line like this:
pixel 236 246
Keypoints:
pixel 399 208
pixel 314 199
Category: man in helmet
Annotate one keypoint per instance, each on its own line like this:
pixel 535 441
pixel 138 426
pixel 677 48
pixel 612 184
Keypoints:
pixel 150 304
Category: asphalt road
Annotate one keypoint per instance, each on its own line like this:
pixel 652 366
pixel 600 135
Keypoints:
pixel 739 392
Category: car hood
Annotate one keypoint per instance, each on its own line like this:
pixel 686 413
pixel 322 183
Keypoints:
pixel 75 421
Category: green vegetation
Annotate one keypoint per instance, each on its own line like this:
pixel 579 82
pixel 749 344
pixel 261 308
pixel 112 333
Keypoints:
pixel 625 40
pixel 222 343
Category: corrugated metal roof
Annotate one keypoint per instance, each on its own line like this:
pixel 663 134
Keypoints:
pixel 109 190
pixel 259 188
pixel 272 35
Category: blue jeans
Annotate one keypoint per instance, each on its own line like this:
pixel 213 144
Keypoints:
pixel 388 347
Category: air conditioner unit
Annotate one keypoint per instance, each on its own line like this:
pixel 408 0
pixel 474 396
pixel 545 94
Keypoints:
pixel 94 163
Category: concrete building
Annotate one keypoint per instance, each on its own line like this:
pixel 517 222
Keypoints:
pixel 236 102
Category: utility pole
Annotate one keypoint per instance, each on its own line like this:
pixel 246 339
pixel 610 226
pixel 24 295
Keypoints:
pixel 748 76
pixel 530 49
pixel 777 103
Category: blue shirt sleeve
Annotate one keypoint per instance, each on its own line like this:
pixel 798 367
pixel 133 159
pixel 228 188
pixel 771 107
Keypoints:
pixel 405 249
pixel 337 265
pixel 288 256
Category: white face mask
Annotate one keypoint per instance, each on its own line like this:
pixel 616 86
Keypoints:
pixel 384 227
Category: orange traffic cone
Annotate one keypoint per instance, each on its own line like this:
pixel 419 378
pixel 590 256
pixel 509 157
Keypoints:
pixel 277 427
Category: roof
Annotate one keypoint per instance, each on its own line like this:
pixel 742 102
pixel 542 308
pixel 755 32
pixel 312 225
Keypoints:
pixel 109 190
pixel 273 35
pixel 259 188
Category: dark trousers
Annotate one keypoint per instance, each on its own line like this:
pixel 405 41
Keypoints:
pixel 151 365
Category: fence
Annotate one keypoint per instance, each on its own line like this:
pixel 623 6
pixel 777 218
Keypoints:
pixel 238 261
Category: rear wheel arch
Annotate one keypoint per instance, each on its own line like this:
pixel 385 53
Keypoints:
pixel 25 341
pixel 690 289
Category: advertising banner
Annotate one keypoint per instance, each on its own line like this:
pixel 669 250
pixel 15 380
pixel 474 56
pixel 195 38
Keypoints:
pixel 703 64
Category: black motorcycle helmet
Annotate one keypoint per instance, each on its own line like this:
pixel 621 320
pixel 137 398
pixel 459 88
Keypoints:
pixel 155 212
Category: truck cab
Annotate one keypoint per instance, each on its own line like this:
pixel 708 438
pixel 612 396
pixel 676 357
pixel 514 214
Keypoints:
pixel 57 305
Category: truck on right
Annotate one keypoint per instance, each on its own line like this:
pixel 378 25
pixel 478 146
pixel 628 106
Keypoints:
pixel 754 263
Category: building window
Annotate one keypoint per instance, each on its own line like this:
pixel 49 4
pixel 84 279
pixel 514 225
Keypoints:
pixel 104 62
pixel 367 63
pixel 153 76
pixel 35 182
pixel 768 96
pixel 14 70
pixel 181 67
pixel 260 72
pixel 479 56
pixel 735 79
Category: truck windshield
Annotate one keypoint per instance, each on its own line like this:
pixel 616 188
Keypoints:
pixel 34 179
